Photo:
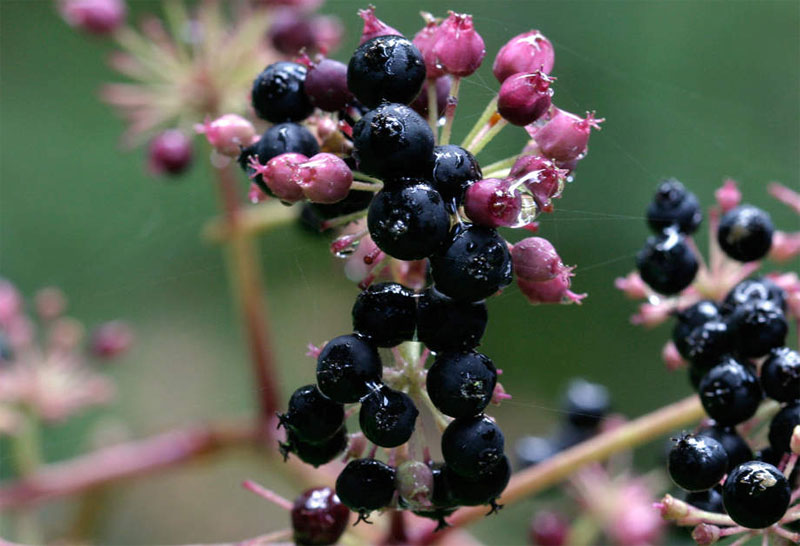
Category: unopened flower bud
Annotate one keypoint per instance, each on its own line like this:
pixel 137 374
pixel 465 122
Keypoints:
pixel 325 178
pixel 552 291
pixel 228 134
pixel 94 16
pixel 414 483
pixel 728 196
pixel 279 174
pixel 672 358
pixel 632 285
pixel 492 202
pixel 542 177
pixel 527 52
pixel 425 40
pixel 524 98
pixel 374 27
pixel 565 136
pixel 170 153
pixel 326 85
pixel 535 259
pixel 110 340
pixel 458 49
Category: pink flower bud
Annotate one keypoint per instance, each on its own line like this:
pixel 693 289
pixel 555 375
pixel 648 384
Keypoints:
pixel 672 358
pixel 94 16
pixel 651 315
pixel 633 286
pixel 728 196
pixel 425 40
pixel 328 33
pixel 549 528
pixel 420 104
pixel 524 98
pixel 228 134
pixel 280 175
pixel 492 203
pixel 565 136
pixel 541 177
pixel 552 291
pixel 785 246
pixel 170 153
pixel 785 195
pixel 110 340
pixel 458 49
pixel 528 52
pixel 374 27
pixel 535 259
pixel 325 178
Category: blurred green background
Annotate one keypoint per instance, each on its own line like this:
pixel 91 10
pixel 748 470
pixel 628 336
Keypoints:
pixel 696 90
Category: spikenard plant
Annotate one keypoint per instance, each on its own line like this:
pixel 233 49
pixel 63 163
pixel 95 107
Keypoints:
pixel 364 151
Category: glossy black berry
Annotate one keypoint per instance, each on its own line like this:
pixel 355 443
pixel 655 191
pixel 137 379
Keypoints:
pixel 278 139
pixel 745 233
pixel 278 93
pixel 454 169
pixel 708 343
pixel 386 69
pixel 365 485
pixel 387 417
pixel 735 446
pixel 708 501
pixel 481 490
pixel 472 446
pixel 315 454
pixel 782 426
pixel 730 392
pixel 408 223
pixel 474 265
pixel 780 375
pixel 532 450
pixel 758 327
pixel 445 324
pixel 586 403
pixel 673 205
pixel 393 141
pixel 318 517
pixel 689 319
pixel 756 495
pixel 697 463
pixel 754 290
pixel 326 85
pixel 312 416
pixel 355 201
pixel 666 263
pixel 461 384
pixel 385 313
pixel 346 367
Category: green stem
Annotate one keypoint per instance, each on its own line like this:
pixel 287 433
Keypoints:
pixel 450 111
pixel 366 186
pixel 27 457
pixel 488 112
pixel 501 165
pixel 475 147
pixel 358 175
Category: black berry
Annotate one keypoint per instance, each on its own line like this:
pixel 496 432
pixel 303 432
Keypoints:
pixel 745 233
pixel 472 446
pixel 697 463
pixel 444 324
pixel 365 485
pixel 318 517
pixel 278 93
pixel 312 416
pixel 756 495
pixel 782 426
pixel 666 263
pixel 730 392
pixel 481 490
pixel 387 417
pixel 279 139
pixel 461 384
pixel 673 205
pixel 735 446
pixel 315 454
pixel 758 327
pixel 454 169
pixel 689 319
pixel 708 343
pixel 386 69
pixel 780 375
pixel 586 403
pixel 754 290
pixel 386 314
pixel 346 367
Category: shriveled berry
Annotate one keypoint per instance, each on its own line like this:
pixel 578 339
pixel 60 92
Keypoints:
pixel 735 446
pixel 392 141
pixel 709 500
pixel 667 263
pixel 365 485
pixel 780 375
pixel 756 495
pixel 472 446
pixel 326 85
pixel 278 94
pixel 482 489
pixel 461 384
pixel 454 169
pixel 346 367
pixel 761 288
pixel 474 265
pixel 745 233
pixel 708 343
pixel 386 69
pixel 730 392
pixel 697 463
pixel 586 403
pixel 758 327
pixel 674 206
pixel 318 517
pixel 409 223
pixel 387 417
pixel 444 324
pixel 385 313
pixel 312 416
pixel 782 426
pixel 315 454
pixel 689 319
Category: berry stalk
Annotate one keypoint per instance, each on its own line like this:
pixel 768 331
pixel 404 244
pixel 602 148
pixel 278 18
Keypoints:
pixel 486 115
pixel 450 112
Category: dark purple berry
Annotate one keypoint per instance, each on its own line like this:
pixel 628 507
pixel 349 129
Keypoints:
pixel 420 104
pixel 385 313
pixel 780 375
pixel 754 290
pixel 756 495
pixel 482 489
pixel 318 517
pixel 782 426
pixel 697 463
pixel 315 454
pixel 444 324
pixel 278 93
pixel 312 416
pixel 387 417
pixel 709 500
pixel 386 69
pixel 365 485
pixel 326 85
pixel 408 223
pixel 737 449
pixel 472 446
pixel 758 327
pixel 730 392
pixel 170 153
pixel 674 206
pixel 708 343
pixel 666 263
pixel 474 265
pixel 454 169
pixel 393 141
pixel 346 368
pixel 689 319
pixel 745 233
pixel 461 384
pixel 290 31
pixel 549 528
pixel 278 139
pixel 586 403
